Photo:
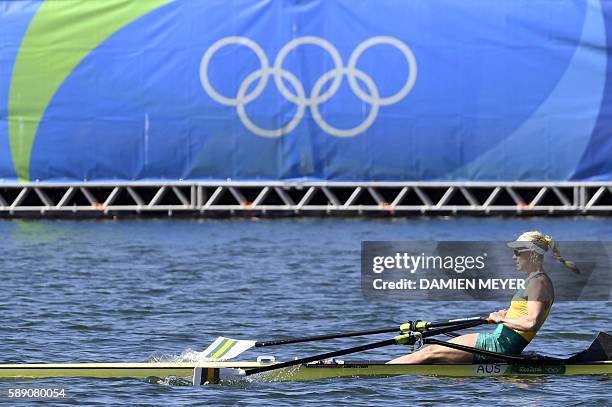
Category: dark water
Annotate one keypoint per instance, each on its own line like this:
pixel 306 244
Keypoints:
pixel 127 290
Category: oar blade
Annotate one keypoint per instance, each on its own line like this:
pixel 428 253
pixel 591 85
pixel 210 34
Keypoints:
pixel 226 348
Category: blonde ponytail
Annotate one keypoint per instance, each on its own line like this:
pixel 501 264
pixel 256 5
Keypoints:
pixel 570 265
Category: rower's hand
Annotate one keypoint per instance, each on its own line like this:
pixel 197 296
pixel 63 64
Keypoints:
pixel 502 312
pixel 496 317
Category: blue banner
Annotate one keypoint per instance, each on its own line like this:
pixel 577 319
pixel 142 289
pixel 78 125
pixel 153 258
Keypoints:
pixel 337 90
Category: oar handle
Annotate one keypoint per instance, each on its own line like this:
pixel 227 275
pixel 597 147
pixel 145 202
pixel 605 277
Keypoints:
pixel 422 326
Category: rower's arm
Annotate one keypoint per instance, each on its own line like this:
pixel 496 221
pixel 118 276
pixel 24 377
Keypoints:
pixel 536 311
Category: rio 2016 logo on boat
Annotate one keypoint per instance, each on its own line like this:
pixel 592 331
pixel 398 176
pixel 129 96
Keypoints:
pixel 316 97
pixel 500 369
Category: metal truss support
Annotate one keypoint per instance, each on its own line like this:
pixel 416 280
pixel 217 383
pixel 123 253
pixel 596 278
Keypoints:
pixel 303 198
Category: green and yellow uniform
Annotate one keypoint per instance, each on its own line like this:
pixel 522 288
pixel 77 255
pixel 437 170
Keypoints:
pixel 508 340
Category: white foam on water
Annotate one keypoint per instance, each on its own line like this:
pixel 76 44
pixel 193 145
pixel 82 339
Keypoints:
pixel 188 355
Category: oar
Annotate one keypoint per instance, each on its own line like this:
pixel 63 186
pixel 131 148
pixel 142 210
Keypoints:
pixel 409 338
pixel 399 339
pixel 227 348
pixel 214 375
pixel 327 336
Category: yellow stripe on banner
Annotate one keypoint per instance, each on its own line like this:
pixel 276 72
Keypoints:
pixel 224 348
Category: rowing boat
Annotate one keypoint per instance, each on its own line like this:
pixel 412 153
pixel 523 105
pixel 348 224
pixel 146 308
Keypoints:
pixel 595 360
pixel 213 371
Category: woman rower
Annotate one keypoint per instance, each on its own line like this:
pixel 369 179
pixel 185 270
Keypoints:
pixel 518 325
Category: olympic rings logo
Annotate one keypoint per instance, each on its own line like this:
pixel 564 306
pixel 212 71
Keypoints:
pixel 316 97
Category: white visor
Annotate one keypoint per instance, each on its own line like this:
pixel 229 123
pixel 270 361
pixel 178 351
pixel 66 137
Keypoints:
pixel 525 244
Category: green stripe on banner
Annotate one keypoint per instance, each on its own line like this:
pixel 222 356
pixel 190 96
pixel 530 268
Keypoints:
pixel 60 36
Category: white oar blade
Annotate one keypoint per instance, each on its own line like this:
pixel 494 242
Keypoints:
pixel 226 348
